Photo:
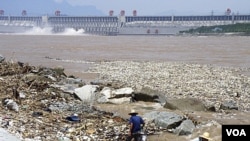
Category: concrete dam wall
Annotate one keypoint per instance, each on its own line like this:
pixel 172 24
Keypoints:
pixel 118 25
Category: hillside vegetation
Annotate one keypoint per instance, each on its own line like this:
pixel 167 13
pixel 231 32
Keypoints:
pixel 243 28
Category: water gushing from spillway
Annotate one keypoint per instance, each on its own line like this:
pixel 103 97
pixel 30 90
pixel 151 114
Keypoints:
pixel 49 31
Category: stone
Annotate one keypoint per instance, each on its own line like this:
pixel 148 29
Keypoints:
pixel 11 104
pixel 1 58
pixel 119 100
pixel 149 95
pixel 117 96
pixel 186 127
pixel 123 91
pixel 166 120
pixel 185 104
pixel 229 105
pixel 86 93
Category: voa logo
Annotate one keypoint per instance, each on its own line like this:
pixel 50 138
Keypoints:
pixel 236 132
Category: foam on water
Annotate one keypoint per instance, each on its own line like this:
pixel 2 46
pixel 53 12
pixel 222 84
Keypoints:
pixel 49 31
pixel 39 31
pixel 70 60
pixel 71 31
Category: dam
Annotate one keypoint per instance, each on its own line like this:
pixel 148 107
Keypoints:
pixel 118 25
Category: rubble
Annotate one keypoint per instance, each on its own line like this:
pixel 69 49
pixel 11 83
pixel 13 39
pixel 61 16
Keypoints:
pixel 35 108
pixel 11 104
pixel 40 103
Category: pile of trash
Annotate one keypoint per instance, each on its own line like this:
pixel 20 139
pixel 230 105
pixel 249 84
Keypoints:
pixel 35 108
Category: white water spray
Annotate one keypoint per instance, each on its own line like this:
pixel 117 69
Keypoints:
pixel 72 31
pixel 49 31
pixel 39 31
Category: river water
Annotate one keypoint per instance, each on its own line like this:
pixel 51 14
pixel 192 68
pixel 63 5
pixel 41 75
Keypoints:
pixel 71 51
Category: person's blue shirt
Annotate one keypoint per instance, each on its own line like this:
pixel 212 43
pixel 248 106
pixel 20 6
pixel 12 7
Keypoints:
pixel 137 121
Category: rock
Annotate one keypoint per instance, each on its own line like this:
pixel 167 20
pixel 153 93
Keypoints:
pixel 1 58
pixel 68 85
pixel 185 104
pixel 123 91
pixel 229 105
pixel 86 93
pixel 149 95
pixel 11 104
pixel 117 96
pixel 186 127
pixel 166 120
pixel 105 94
pixel 119 100
pixel 67 88
pixel 113 84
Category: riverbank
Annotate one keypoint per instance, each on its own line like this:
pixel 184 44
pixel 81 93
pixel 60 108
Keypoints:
pixel 211 84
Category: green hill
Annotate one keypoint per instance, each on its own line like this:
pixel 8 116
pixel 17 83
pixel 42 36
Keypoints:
pixel 243 28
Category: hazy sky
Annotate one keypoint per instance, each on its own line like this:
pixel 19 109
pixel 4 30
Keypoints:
pixel 146 7
pixel 143 7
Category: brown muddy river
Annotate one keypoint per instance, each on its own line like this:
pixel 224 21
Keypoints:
pixel 220 50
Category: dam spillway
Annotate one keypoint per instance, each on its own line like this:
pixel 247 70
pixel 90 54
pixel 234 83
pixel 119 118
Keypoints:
pixel 118 25
pixel 93 25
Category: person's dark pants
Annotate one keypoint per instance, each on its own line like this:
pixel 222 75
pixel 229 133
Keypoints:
pixel 136 137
